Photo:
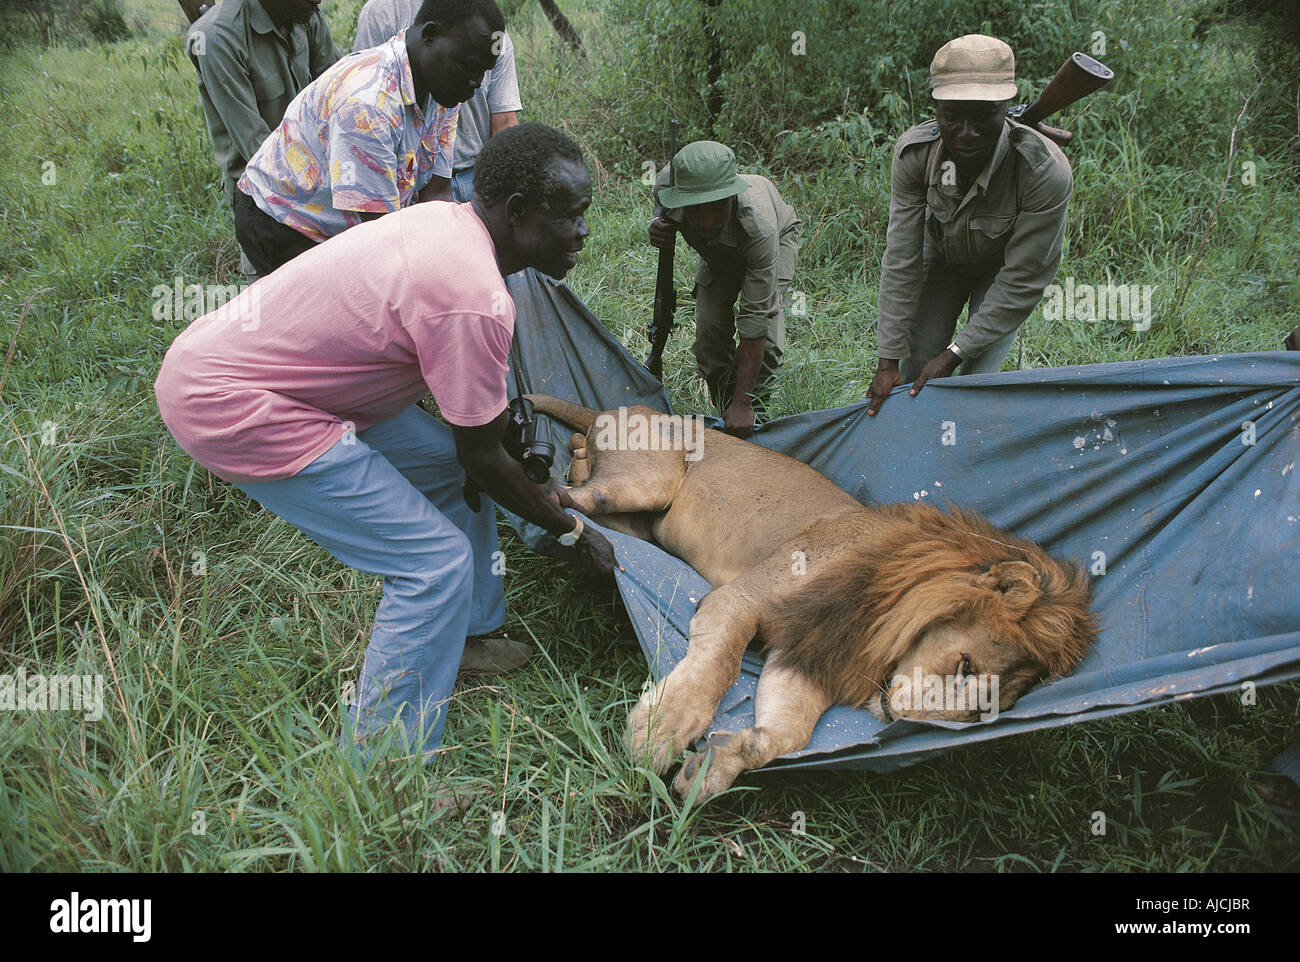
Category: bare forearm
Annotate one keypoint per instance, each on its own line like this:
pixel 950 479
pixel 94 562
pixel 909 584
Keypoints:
pixel 503 480
pixel 499 122
pixel 748 361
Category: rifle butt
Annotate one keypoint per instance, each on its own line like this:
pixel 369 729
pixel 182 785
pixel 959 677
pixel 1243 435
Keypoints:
pixel 1079 76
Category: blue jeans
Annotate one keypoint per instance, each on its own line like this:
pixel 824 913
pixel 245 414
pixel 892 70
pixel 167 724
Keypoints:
pixel 462 185
pixel 388 501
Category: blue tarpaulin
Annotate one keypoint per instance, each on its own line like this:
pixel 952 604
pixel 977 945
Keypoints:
pixel 1173 480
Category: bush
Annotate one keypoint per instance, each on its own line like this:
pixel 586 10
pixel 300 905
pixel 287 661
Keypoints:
pixel 105 21
pixel 781 69
pixel 67 22
pixel 784 69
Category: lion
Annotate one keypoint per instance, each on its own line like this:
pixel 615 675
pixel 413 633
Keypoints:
pixel 852 603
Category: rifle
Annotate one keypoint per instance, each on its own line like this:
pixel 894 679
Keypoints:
pixel 1079 76
pixel 194 8
pixel 661 323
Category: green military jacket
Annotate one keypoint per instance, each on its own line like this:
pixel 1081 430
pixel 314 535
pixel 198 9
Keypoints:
pixel 749 244
pixel 248 73
pixel 1013 215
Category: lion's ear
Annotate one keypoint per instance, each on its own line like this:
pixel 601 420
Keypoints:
pixel 1016 581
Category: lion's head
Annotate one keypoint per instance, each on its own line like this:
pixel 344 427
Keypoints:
pixel 937 615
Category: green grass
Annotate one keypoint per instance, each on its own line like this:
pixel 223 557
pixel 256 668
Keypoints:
pixel 225 636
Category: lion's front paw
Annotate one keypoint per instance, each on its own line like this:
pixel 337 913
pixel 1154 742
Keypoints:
pixel 666 720
pixel 720 769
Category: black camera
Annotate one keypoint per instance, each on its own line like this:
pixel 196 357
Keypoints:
pixel 521 443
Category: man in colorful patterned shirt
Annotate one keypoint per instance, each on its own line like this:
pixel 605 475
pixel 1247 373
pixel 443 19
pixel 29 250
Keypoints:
pixel 491 110
pixel 253 57
pixel 374 133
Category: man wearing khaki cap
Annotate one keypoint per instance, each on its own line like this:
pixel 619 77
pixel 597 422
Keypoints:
pixel 976 214
pixel 748 239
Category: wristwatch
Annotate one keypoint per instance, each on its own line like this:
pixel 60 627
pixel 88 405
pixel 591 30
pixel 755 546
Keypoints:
pixel 955 349
pixel 570 538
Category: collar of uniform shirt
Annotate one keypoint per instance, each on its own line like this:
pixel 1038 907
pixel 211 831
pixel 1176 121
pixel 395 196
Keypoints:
pixel 1000 152
pixel 261 21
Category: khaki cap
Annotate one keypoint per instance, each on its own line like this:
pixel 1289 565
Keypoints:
pixel 973 67
pixel 705 171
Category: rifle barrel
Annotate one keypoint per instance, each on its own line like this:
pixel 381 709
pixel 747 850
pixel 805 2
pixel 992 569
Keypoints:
pixel 665 300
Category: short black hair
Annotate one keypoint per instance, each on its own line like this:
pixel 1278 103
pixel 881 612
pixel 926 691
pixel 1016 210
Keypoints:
pixel 451 12
pixel 521 160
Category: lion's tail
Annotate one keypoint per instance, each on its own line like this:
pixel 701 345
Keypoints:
pixel 574 415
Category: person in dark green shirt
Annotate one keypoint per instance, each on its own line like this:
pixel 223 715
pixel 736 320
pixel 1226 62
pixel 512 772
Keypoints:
pixel 976 216
pixel 253 57
pixel 747 237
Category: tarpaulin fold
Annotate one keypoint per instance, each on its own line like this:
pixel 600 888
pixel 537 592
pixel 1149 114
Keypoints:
pixel 1172 480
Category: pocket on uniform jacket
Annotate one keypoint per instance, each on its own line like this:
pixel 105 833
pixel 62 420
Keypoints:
pixel 935 235
pixel 268 88
pixel 989 234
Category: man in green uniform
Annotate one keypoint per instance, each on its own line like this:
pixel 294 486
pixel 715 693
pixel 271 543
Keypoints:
pixel 253 57
pixel 976 214
pixel 748 239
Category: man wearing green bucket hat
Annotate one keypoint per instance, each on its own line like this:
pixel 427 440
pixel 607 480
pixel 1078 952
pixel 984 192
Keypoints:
pixel 747 237
pixel 976 214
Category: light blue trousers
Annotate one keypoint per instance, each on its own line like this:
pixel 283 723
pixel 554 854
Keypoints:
pixel 388 501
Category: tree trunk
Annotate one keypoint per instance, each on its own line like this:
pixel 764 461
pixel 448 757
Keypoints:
pixel 562 26
pixel 713 65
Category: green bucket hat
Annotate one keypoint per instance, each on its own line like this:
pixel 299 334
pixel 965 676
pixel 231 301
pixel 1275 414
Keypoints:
pixel 705 171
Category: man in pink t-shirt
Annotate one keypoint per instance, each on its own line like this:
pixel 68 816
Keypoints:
pixel 303 391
